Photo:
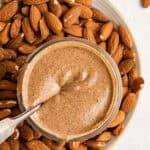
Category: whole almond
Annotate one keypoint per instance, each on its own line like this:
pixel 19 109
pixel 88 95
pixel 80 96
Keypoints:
pixel 118 130
pixel 86 12
pixel 95 144
pixel 105 136
pixel 25 10
pixel 99 16
pixel 4 113
pixel 125 36
pixel 7 103
pixel 4 34
pixel 126 65
pixel 117 56
pixel 113 43
pixel 34 2
pixel 89 35
pixel 5 146
pixel 125 80
pixel 106 31
pixel 43 8
pixel 84 2
pixel 44 29
pixel 26 49
pixel 129 102
pixel 27 30
pixel 71 16
pixel 36 144
pixel 129 54
pixel 137 84
pixel 15 28
pixel 2 70
pixel 118 119
pixel 20 60
pixel 64 9
pixel 2 25
pixel 55 7
pixel 8 10
pixel 74 145
pixel 14 144
pixel 35 17
pixel 26 132
pixel 145 3
pixel 7 85
pixel 53 22
pixel 74 30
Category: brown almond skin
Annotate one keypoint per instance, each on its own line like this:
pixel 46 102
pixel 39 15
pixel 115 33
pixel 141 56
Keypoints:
pixel 2 25
pixel 126 65
pixel 129 102
pixel 43 8
pixel 125 90
pixel 105 136
pixel 145 3
pixel 14 144
pixel 25 10
pixel 20 60
pixel 5 146
pixel 74 145
pixel 8 10
pixel 129 54
pixel 55 7
pixel 106 31
pixel 74 30
pixel 103 45
pixel 2 70
pixel 125 80
pixel 118 130
pixel 71 16
pixel 34 2
pixel 99 16
pixel 95 144
pixel 137 84
pixel 84 2
pixel 125 36
pixel 4 113
pixel 64 9
pixel 7 104
pixel 113 43
pixel 7 85
pixel 86 12
pixel 53 23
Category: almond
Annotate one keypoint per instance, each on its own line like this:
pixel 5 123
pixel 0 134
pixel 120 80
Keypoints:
pixel 117 56
pixel 8 10
pixel 15 145
pixel 64 9
pixel 71 16
pixel 103 45
pixel 118 119
pixel 20 60
pixel 106 31
pixel 37 134
pixel 2 70
pixel 126 65
pixel 53 23
pixel 74 30
pixel 36 144
pixel 137 84
pixel 5 1
pixel 16 42
pixel 55 7
pixel 5 146
pixel 145 3
pixel 99 16
pixel 105 136
pixel 125 36
pixel 15 28
pixel 2 26
pixel 7 103
pixel 4 113
pixel 82 147
pixel 38 41
pixel 88 35
pixel 25 10
pixel 125 80
pixel 74 145
pixel 84 2
pixel 4 34
pixel 7 85
pixel 129 102
pixel 86 12
pixel 44 29
pixel 129 54
pixel 26 132
pixel 118 130
pixel 26 49
pixel 113 43
pixel 124 91
pixel 95 144
pixel 43 8
pixel 34 2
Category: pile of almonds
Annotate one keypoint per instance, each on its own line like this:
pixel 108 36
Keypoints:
pixel 26 24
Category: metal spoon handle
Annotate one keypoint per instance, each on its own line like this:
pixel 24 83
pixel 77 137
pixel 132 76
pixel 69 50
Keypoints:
pixel 8 125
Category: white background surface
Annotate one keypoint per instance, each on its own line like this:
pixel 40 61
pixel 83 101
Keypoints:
pixel 137 134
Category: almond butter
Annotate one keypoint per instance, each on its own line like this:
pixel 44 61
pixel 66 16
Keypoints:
pixel 86 12
pixel 129 102
pixel 55 7
pixel 103 45
pixel 27 30
pixel 125 80
pixel 7 103
pixel 20 60
pixel 53 23
pixel 106 31
pixel 43 8
pixel 126 65
pixel 26 49
pixel 145 3
pixel 15 145
pixel 26 132
pixel 44 29
pixel 125 36
pixel 99 16
pixel 36 144
pixel 7 85
pixel 2 70
pixel 105 136
pixel 117 56
pixel 95 144
pixel 34 2
pixel 113 43
pixel 25 10
pixel 2 26
pixel 4 113
pixel 8 10
pixel 35 17
pixel 4 34
pixel 118 119
pixel 74 30
pixel 71 16
pixel 137 84
pixel 118 130
pixel 15 28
